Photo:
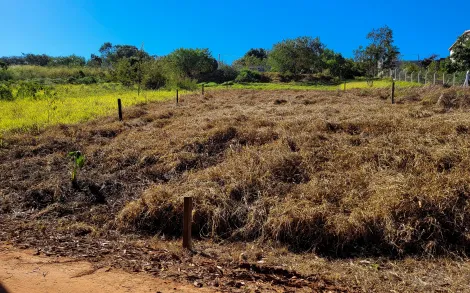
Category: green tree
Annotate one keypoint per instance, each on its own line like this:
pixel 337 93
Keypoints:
pixel 154 76
pixel 190 63
pixel 460 59
pixel 381 53
pixel 71 61
pixel 254 57
pixel 426 62
pixel 39 60
pixel 124 72
pixel 433 66
pixel 410 67
pixel 3 65
pixel 334 62
pixel 296 56
pixel 95 61
pixel 112 54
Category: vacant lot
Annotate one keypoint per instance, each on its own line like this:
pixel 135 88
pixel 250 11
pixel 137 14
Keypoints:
pixel 287 181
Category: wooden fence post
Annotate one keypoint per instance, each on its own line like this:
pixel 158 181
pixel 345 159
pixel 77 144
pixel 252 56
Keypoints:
pixel 176 96
pixel 187 221
pixel 393 91
pixel 434 83
pixel 203 89
pixel 120 109
pixel 443 79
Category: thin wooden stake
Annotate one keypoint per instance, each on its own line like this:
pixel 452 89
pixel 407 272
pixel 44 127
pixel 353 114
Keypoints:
pixel 187 221
pixel 176 96
pixel 120 109
pixel 393 91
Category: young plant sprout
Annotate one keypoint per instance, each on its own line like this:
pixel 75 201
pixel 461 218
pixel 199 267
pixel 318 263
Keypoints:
pixel 78 161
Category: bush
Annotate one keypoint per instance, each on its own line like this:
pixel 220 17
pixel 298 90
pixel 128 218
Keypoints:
pixel 154 80
pixel 86 80
pixel 5 75
pixel 249 76
pixel 288 77
pixel 5 93
pixel 28 72
pixel 223 74
pixel 183 83
pixel 28 89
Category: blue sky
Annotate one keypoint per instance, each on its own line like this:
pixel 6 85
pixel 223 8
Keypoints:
pixel 229 28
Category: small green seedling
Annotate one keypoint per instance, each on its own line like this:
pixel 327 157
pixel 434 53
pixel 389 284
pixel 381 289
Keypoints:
pixel 78 161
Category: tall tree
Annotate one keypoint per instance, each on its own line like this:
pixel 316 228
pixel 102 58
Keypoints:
pixel 460 59
pixel 300 55
pixel 381 53
pixel 190 63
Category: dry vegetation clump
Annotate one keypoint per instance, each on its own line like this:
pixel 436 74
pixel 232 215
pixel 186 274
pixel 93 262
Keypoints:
pixel 338 174
pixel 350 174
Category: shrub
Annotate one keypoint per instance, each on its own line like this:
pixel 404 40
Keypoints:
pixel 86 80
pixel 183 83
pixel 249 76
pixel 5 93
pixel 223 74
pixel 28 89
pixel 288 76
pixel 154 80
pixel 5 75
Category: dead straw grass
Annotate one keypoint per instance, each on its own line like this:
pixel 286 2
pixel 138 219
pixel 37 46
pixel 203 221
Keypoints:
pixel 336 173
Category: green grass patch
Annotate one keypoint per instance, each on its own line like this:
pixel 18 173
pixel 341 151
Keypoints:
pixel 71 104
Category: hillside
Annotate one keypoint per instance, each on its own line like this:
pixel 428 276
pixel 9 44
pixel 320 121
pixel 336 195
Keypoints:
pixel 335 174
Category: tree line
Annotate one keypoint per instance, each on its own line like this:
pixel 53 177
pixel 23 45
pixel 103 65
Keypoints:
pixel 291 59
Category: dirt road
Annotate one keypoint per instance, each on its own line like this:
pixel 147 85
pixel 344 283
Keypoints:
pixel 21 271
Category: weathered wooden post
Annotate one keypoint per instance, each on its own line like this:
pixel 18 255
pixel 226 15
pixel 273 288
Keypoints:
pixel 411 77
pixel 120 109
pixel 187 221
pixel 393 91
pixel 202 89
pixel 443 79
pixel 434 83
pixel 176 96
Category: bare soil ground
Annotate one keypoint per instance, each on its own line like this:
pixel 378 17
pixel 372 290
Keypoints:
pixel 23 271
pixel 293 190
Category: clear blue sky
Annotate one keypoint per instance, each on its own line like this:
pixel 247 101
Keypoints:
pixel 226 27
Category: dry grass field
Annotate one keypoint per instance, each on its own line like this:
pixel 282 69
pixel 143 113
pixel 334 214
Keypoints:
pixel 352 192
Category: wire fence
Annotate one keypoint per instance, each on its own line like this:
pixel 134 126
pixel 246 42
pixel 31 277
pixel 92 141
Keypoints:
pixel 427 77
